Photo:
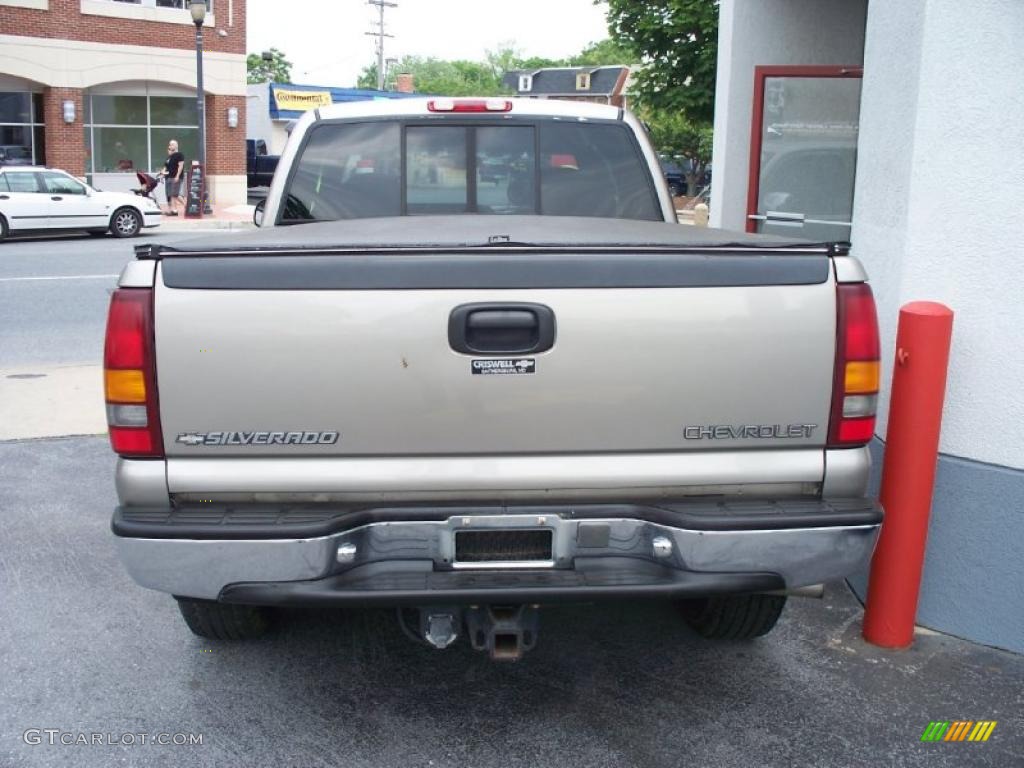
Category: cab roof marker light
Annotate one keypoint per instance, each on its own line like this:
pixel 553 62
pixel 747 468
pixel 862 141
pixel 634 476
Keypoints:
pixel 469 105
pixel 499 105
pixel 441 105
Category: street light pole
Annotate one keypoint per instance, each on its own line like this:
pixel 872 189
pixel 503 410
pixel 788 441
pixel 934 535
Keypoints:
pixel 198 10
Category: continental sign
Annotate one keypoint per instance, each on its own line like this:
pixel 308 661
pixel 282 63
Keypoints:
pixel 958 730
pixel 301 101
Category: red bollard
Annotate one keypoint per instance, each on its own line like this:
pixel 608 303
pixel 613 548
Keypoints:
pixel 908 472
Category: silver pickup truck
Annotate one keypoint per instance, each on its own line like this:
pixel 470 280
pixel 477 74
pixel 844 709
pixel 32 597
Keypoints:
pixel 472 365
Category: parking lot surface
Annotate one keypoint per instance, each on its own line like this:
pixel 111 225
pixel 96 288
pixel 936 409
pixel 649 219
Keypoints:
pixel 84 650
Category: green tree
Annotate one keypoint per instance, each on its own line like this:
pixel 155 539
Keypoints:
pixel 440 77
pixel 676 41
pixel 675 135
pixel 510 59
pixel 605 52
pixel 259 70
pixel 471 78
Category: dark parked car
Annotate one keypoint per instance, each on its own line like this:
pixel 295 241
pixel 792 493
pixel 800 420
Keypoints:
pixel 675 170
pixel 259 166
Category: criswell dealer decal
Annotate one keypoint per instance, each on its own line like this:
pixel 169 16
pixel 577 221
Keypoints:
pixel 513 366
pixel 257 438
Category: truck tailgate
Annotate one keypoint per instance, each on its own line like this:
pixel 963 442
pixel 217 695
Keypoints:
pixel 342 355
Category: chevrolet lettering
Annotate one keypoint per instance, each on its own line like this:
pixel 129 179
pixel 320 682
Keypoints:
pixel 748 431
pixel 550 391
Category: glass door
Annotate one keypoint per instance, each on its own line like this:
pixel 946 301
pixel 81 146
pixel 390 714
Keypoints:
pixel 804 151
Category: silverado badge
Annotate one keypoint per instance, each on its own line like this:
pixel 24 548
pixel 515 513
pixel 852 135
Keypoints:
pixel 257 438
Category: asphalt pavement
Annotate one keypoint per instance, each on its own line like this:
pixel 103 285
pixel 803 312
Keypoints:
pixel 85 650
pixel 87 654
pixel 54 293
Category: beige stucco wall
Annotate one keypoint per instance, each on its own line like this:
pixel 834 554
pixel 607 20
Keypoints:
pixel 74 64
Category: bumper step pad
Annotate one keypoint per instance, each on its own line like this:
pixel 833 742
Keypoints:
pixel 416 582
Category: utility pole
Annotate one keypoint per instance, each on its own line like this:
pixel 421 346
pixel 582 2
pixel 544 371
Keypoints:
pixel 380 34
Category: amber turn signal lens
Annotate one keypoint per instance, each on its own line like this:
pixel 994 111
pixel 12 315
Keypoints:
pixel 861 377
pixel 127 386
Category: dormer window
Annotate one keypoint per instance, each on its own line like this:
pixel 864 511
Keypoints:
pixel 525 83
pixel 582 81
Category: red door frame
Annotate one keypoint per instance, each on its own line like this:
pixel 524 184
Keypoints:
pixel 761 73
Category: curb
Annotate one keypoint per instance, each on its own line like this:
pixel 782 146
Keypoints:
pixel 204 224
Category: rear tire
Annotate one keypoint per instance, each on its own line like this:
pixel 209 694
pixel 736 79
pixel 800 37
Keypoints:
pixel 126 222
pixel 3 229
pixel 222 621
pixel 732 617
pixel 676 190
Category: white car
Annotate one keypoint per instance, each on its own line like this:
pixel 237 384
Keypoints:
pixel 35 199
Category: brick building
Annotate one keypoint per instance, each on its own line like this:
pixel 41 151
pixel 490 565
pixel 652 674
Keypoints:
pixel 98 87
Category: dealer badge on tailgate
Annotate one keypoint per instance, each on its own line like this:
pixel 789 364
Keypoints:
pixel 504 366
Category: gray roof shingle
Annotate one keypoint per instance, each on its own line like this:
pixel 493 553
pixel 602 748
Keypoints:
pixel 562 80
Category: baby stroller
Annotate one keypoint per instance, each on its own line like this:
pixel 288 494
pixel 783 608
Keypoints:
pixel 149 183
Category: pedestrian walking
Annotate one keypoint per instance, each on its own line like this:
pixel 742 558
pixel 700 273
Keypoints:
pixel 174 167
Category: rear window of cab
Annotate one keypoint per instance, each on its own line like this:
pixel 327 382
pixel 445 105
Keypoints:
pixel 358 170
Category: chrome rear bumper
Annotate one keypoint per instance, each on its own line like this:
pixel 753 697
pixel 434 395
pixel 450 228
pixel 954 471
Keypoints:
pixel 638 554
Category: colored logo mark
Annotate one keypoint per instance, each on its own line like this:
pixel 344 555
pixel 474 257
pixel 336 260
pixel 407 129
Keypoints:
pixel 958 730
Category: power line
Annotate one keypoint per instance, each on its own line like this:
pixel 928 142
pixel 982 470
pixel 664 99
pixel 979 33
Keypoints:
pixel 380 34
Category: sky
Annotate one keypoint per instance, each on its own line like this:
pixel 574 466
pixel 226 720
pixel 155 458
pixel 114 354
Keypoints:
pixel 324 39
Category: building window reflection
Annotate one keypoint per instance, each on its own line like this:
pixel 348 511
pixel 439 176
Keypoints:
pixel 129 133
pixel 21 128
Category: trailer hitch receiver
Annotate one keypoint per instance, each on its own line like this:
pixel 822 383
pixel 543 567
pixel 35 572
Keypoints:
pixel 506 632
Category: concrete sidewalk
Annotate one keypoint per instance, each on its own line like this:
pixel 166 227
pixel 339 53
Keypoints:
pixel 51 401
pixel 231 217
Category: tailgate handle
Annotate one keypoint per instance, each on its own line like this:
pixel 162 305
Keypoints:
pixel 516 328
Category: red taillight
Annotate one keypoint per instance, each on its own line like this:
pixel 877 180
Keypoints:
pixel 856 376
pixel 469 105
pixel 859 321
pixel 129 375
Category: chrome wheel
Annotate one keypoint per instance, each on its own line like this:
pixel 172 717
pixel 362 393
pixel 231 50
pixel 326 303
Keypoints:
pixel 126 223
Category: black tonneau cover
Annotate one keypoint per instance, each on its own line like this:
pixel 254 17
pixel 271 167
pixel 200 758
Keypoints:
pixel 484 252
pixel 447 233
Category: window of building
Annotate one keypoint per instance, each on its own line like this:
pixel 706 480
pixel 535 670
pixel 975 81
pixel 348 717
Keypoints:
pixel 525 83
pixel 180 4
pixel 21 128
pixel 129 133
pixel 582 81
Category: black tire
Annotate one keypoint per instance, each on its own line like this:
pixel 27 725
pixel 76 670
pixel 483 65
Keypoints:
pixel 733 617
pixel 3 228
pixel 126 222
pixel 221 621
pixel 675 190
